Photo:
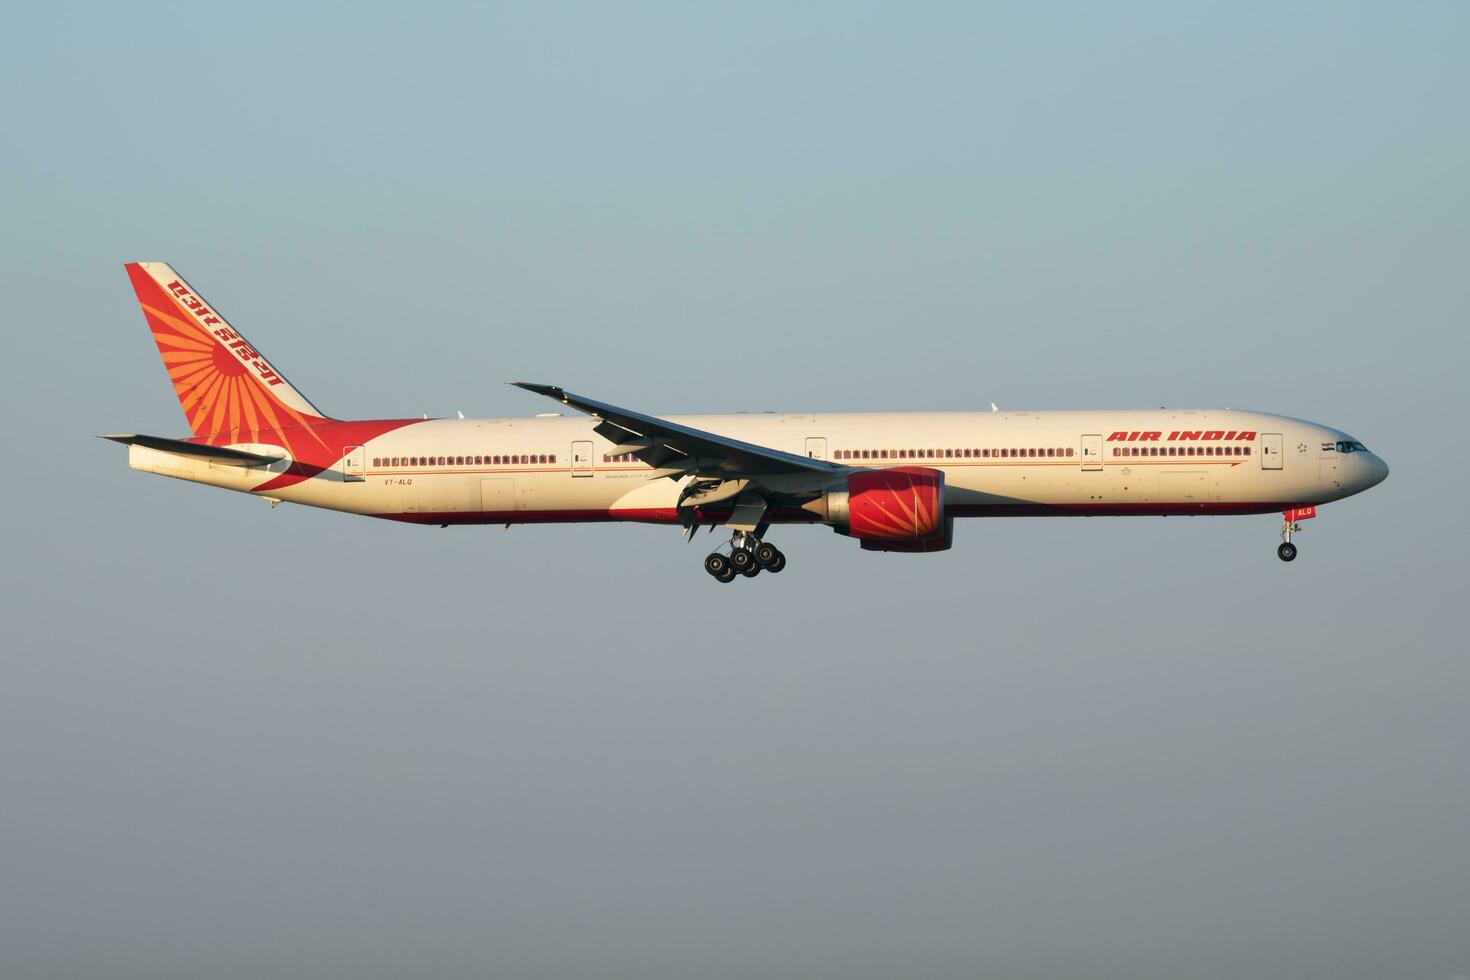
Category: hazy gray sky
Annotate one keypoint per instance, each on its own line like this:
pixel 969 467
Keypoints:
pixel 238 742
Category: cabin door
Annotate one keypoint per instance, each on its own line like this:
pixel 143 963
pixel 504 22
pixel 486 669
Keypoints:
pixel 354 462
pixel 816 447
pixel 582 458
pixel 1270 450
pixel 1092 458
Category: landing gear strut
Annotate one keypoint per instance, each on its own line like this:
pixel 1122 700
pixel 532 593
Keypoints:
pixel 1286 551
pixel 749 556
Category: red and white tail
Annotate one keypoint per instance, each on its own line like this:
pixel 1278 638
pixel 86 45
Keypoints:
pixel 223 382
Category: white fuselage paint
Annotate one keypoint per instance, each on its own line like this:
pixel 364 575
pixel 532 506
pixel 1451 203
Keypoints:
pixel 974 486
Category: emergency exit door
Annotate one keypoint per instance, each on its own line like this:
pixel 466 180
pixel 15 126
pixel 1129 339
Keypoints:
pixel 816 447
pixel 1271 451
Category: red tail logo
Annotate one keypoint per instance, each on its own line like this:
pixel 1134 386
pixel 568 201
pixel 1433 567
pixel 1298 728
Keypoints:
pixel 222 382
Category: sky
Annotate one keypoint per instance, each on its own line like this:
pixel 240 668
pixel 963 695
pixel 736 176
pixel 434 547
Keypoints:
pixel 245 742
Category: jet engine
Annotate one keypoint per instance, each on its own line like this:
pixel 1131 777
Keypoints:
pixel 897 509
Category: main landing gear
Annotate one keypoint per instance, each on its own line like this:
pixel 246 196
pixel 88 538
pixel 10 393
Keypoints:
pixel 749 556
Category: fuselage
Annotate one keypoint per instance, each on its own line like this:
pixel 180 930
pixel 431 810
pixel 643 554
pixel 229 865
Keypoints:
pixel 548 469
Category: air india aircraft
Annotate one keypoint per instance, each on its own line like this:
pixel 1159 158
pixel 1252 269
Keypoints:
pixel 895 482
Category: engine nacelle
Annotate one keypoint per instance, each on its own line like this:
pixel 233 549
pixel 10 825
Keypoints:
pixel 898 509
pixel 942 541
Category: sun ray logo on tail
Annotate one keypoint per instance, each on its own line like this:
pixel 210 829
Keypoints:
pixel 225 386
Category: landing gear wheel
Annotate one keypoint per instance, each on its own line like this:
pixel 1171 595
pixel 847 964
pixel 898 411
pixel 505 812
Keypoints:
pixel 1286 551
pixel 728 575
pixel 717 565
pixel 741 559
pixel 752 571
pixel 765 554
pixel 777 563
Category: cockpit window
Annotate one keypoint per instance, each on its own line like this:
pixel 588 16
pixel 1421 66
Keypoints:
pixel 1351 447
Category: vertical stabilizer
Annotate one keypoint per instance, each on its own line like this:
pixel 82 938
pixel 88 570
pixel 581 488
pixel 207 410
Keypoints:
pixel 223 383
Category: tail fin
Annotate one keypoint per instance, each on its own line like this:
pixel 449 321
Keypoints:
pixel 223 383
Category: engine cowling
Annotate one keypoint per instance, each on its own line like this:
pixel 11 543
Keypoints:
pixel 942 541
pixel 897 509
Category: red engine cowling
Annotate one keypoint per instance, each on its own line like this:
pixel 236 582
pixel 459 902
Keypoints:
pixel 942 541
pixel 898 509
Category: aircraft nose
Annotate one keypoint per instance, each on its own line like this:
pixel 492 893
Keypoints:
pixel 1377 471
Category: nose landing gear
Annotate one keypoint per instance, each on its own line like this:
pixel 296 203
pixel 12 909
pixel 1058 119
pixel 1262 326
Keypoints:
pixel 749 556
pixel 1286 551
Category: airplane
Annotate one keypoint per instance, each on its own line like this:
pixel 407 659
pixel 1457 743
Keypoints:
pixel 895 482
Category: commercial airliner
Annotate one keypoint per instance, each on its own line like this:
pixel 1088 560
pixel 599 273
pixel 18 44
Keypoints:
pixel 894 482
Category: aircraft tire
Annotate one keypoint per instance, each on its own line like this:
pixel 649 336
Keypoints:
pixel 1286 551
pixel 717 564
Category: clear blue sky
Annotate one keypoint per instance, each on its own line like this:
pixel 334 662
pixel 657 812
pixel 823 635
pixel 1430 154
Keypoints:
pixel 240 742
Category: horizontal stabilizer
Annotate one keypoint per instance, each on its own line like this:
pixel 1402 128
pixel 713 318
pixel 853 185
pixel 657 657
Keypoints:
pixel 215 454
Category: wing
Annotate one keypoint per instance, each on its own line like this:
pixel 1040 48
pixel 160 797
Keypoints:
pixel 676 450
